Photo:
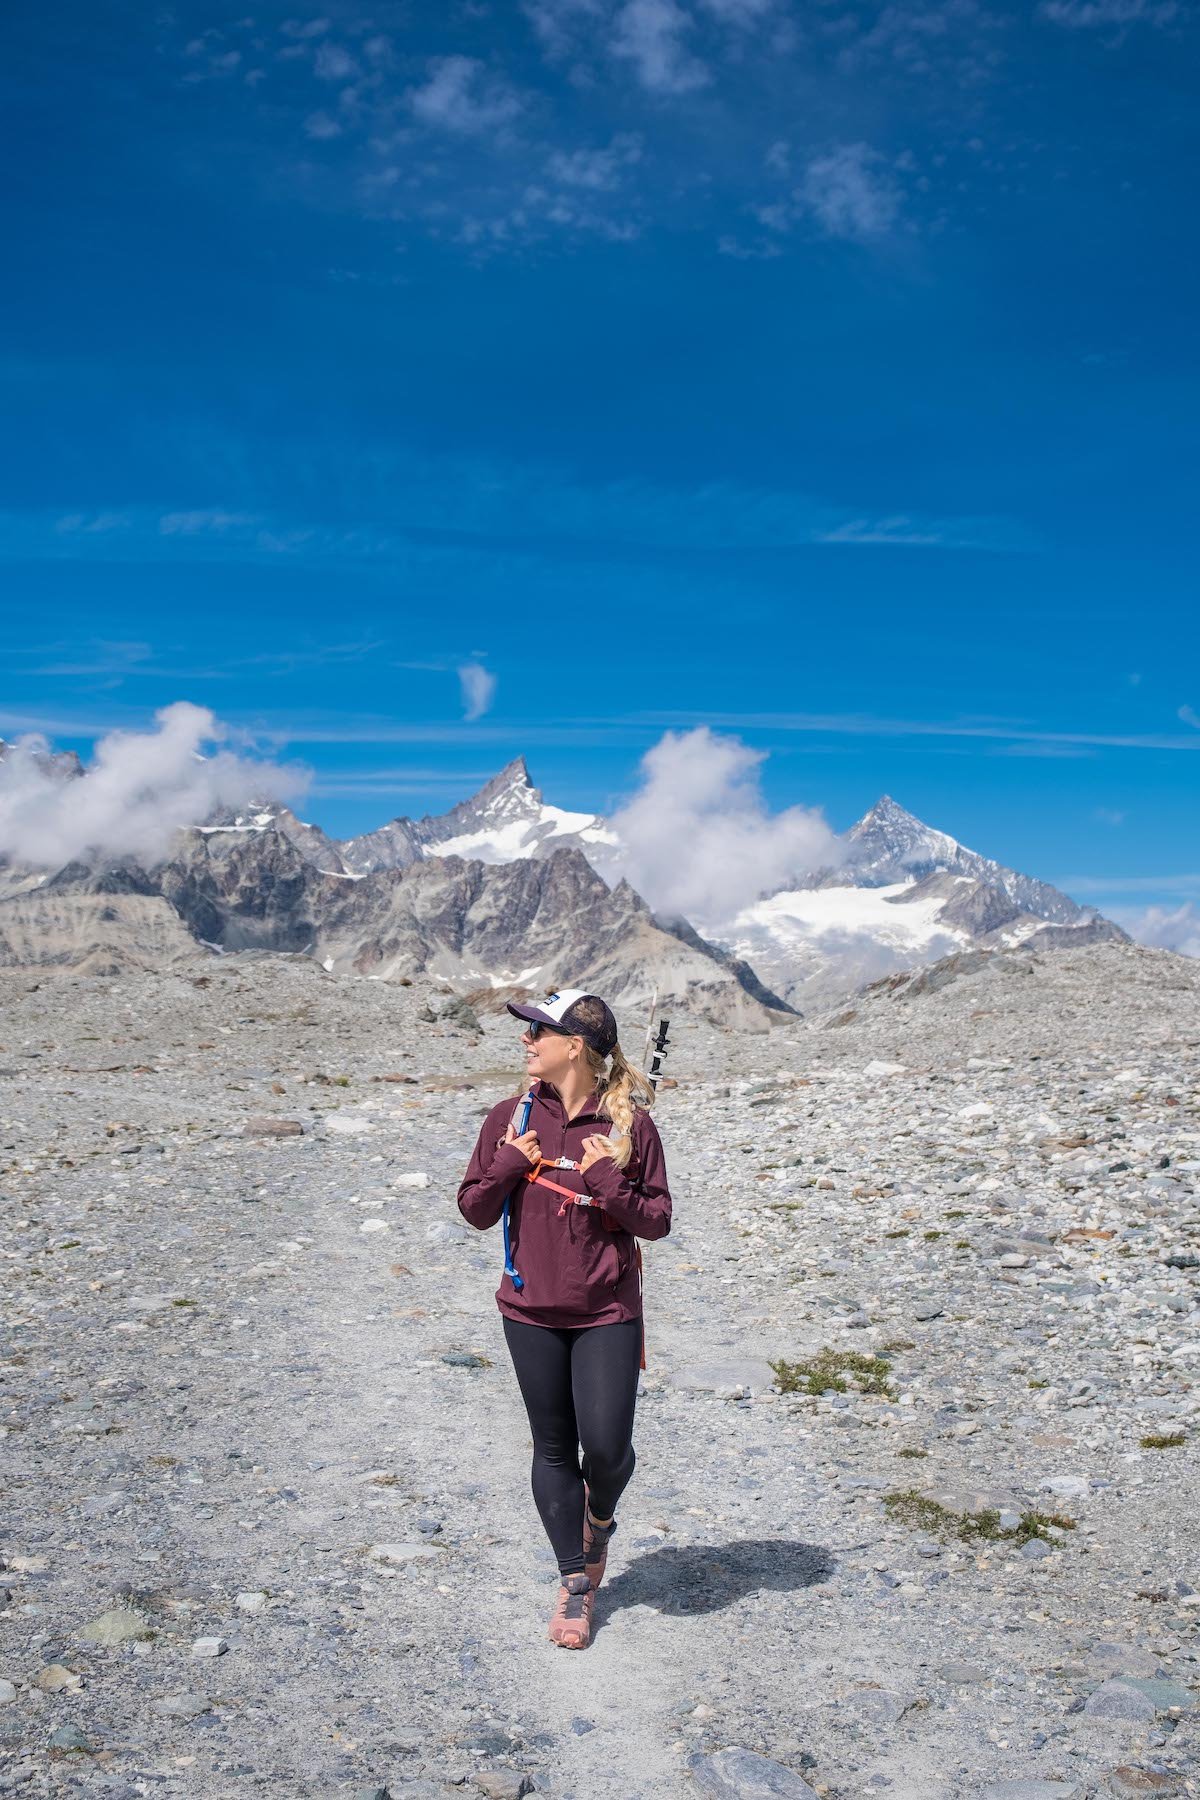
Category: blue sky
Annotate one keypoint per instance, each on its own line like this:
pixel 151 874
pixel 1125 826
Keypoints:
pixel 823 373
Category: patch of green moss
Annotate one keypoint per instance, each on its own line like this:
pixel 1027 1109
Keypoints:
pixel 1163 1440
pixel 895 1234
pixel 829 1368
pixel 911 1507
pixel 911 1451
pixel 930 1235
pixel 962 1243
pixel 958 1213
pixel 1039 1384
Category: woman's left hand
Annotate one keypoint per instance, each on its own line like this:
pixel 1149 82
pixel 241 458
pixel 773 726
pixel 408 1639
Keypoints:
pixel 594 1148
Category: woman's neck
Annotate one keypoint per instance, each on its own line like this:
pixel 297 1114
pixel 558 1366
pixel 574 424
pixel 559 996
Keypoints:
pixel 574 1088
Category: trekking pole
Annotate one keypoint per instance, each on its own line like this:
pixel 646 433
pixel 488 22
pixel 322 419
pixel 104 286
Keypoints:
pixel 526 1105
pixel 650 1026
pixel 661 1046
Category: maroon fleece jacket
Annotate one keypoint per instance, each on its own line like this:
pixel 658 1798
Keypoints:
pixel 576 1270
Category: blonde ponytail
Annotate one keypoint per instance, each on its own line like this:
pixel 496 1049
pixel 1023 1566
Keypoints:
pixel 623 1089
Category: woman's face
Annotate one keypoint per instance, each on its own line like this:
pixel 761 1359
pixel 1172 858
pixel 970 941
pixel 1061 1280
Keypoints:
pixel 551 1055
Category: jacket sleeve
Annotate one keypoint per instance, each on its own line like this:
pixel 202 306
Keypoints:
pixel 492 1175
pixel 642 1206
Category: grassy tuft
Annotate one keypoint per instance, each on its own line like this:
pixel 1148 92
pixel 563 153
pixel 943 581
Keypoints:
pixel 1163 1440
pixel 829 1369
pixel 913 1508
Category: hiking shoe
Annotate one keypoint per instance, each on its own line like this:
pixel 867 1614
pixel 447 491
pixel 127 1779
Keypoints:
pixel 571 1624
pixel 595 1544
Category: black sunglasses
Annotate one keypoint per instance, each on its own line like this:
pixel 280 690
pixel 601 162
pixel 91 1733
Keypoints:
pixel 535 1026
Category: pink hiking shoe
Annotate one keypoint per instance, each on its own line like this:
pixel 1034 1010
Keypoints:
pixel 571 1623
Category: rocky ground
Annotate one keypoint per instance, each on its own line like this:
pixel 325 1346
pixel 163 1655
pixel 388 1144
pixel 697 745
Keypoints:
pixel 914 1512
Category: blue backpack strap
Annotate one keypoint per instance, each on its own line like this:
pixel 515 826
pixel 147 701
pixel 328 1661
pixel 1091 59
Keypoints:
pixel 520 1122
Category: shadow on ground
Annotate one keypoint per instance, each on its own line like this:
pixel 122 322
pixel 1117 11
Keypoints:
pixel 703 1578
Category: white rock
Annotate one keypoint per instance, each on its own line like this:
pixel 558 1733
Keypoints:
pixel 374 1225
pixel 1067 1487
pixel 404 1553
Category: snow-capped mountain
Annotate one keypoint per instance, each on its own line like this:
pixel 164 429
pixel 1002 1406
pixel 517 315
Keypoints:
pixel 905 894
pixel 507 889
pixel 504 822
pixel 271 815
pixel 62 764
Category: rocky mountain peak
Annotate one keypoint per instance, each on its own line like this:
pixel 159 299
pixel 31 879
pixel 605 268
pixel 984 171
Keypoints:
pixel 63 764
pixel 890 842
pixel 510 794
pixel 513 779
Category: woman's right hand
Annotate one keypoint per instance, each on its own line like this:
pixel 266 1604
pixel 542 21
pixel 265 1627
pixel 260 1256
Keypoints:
pixel 527 1144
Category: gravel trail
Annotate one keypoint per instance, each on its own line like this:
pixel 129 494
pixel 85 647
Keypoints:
pixel 228 1416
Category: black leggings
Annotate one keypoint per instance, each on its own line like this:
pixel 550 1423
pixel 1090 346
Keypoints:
pixel 579 1386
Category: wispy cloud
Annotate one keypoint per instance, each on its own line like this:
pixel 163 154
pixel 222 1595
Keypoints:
pixel 600 170
pixel 1161 927
pixel 377 783
pixel 1129 884
pixel 739 12
pixel 1190 716
pixel 478 689
pixel 192 524
pixel 651 35
pixel 851 192
pixel 480 508
pixel 556 23
pixel 461 95
pixel 862 725
pixel 1068 752
pixel 1109 15
pixel 959 40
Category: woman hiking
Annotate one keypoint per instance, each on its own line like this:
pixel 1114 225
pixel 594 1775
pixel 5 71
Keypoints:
pixel 584 1178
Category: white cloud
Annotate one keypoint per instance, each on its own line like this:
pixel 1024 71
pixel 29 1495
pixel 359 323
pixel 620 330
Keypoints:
pixel 1161 929
pixel 1190 716
pixel 332 63
pixel 850 192
pixel 460 96
pixel 649 34
pixel 1109 815
pixel 305 28
pixel 599 170
pixel 699 842
pixel 1109 15
pixel 140 788
pixel 738 12
pixel 555 22
pixel 897 529
pixel 194 524
pixel 478 689
pixel 319 125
